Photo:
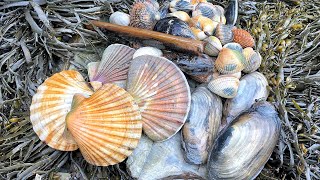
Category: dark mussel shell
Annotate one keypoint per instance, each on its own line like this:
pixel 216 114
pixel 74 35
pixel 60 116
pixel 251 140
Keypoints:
pixel 174 26
pixel 231 13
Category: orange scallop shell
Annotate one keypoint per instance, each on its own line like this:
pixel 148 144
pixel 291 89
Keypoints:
pixel 51 104
pixel 243 37
pixel 106 126
pixel 162 93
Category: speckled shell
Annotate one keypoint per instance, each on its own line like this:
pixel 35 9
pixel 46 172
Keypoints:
pixel 51 104
pixel 243 149
pixel 120 18
pixel 114 65
pixel 224 86
pixel 213 46
pixel 143 15
pixel 181 15
pixel 106 126
pixel 213 12
pixel 253 60
pixel 230 61
pixel 234 46
pixel 224 33
pixel 148 51
pixel 243 37
pixel 202 125
pixel 162 93
pixel 174 26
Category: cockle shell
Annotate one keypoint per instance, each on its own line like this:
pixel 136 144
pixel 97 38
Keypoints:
pixel 253 60
pixel 234 46
pixel 162 93
pixel 245 146
pixel 181 15
pixel 213 46
pixel 224 33
pixel 174 26
pixel 148 51
pixel 243 37
pixel 106 126
pixel 113 67
pixel 181 5
pixel 224 86
pixel 202 125
pixel 230 61
pixel 154 3
pixel 120 18
pixel 213 12
pixel 252 87
pixel 51 104
pixel 143 15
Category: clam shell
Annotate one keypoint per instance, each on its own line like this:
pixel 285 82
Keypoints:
pixel 253 60
pixel 213 46
pixel 162 93
pixel 106 126
pixel 181 15
pixel 243 37
pixel 242 150
pixel 230 61
pixel 234 46
pixel 143 15
pixel 224 86
pixel 202 125
pixel 224 33
pixel 252 87
pixel 120 18
pixel 148 51
pixel 114 65
pixel 174 26
pixel 213 12
pixel 181 5
pixel 51 104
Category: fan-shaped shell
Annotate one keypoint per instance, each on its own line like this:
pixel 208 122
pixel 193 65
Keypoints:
pixel 234 46
pixel 174 26
pixel 148 51
pixel 230 61
pixel 143 15
pixel 243 37
pixel 162 93
pixel 224 33
pixel 51 104
pixel 114 65
pixel 202 125
pixel 253 60
pixel 224 86
pixel 106 126
pixel 213 46
pixel 242 150
pixel 120 18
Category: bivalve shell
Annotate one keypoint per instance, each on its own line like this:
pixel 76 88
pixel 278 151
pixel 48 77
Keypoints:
pixel 213 12
pixel 213 46
pixel 243 37
pixel 50 106
pixel 181 5
pixel 143 15
pixel 253 60
pixel 234 46
pixel 230 61
pixel 106 126
pixel 203 23
pixel 120 18
pixel 162 93
pixel 224 86
pixel 181 15
pixel 174 26
pixel 148 51
pixel 224 33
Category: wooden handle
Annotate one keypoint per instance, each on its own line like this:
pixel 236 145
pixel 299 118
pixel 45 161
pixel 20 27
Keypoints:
pixel 176 42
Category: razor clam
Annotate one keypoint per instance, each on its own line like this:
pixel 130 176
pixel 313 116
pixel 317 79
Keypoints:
pixel 252 86
pixel 242 150
pixel 231 13
pixel 202 125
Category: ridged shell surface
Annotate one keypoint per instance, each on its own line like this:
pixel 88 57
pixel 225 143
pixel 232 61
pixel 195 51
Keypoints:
pixel 202 125
pixel 230 61
pixel 162 94
pixel 106 126
pixel 114 65
pixel 234 46
pixel 224 33
pixel 252 87
pixel 174 26
pixel 51 104
pixel 224 86
pixel 243 37
pixel 245 146
pixel 120 18
pixel 213 46
pixel 148 51
pixel 213 12
pixel 253 60
pixel 143 15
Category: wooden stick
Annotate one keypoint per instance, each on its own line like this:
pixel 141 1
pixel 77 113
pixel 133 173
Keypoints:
pixel 175 42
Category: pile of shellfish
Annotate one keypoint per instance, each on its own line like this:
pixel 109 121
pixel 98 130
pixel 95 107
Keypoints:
pixel 140 106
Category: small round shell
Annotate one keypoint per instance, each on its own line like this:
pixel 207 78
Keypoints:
pixel 224 33
pixel 230 61
pixel 243 37
pixel 120 18
pixel 213 46
pixel 224 86
pixel 234 46
pixel 148 51
pixel 253 60
pixel 143 15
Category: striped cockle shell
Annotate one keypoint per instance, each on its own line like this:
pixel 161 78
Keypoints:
pixel 143 15
pixel 230 61
pixel 253 60
pixel 243 37
pixel 162 93
pixel 106 126
pixel 234 46
pixel 224 86
pixel 213 46
pixel 148 51
pixel 120 18
pixel 224 33
pixel 51 104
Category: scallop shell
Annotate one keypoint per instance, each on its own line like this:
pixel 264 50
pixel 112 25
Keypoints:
pixel 253 60
pixel 120 18
pixel 162 93
pixel 243 149
pixel 213 12
pixel 224 86
pixel 224 33
pixel 243 37
pixel 213 46
pixel 174 26
pixel 230 61
pixel 51 104
pixel 202 125
pixel 114 65
pixel 234 46
pixel 181 15
pixel 143 15
pixel 106 126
